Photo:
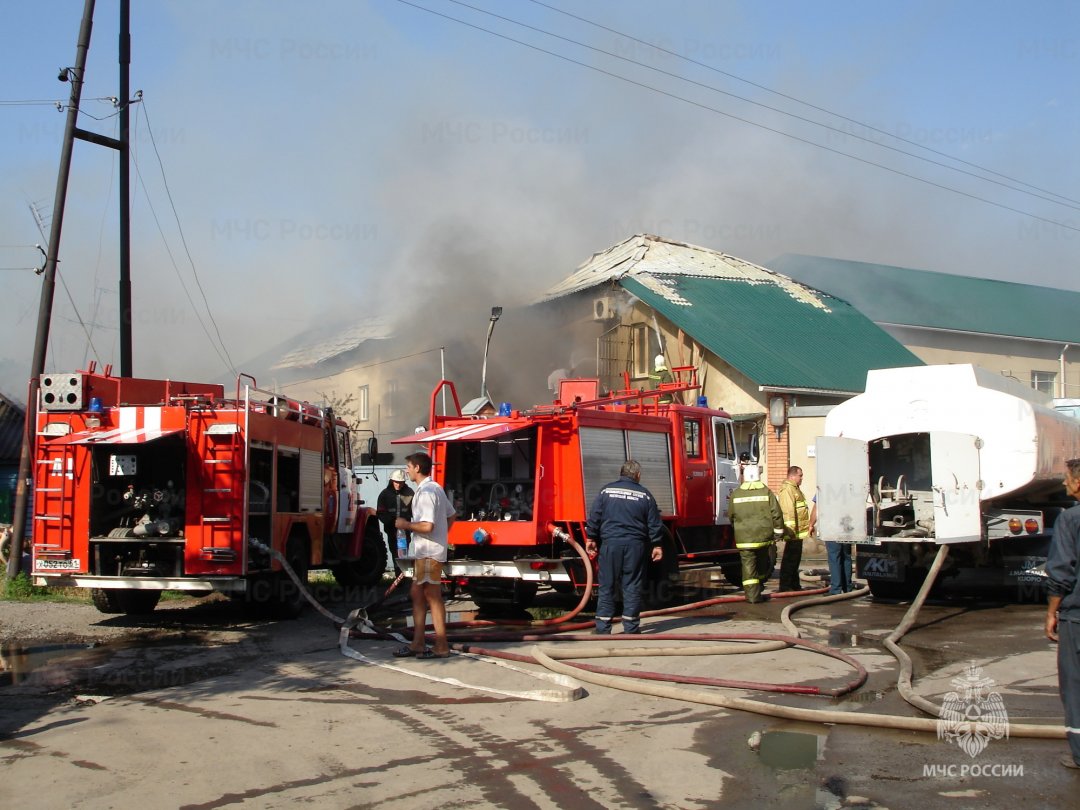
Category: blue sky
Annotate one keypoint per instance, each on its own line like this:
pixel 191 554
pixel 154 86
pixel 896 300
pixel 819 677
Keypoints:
pixel 333 159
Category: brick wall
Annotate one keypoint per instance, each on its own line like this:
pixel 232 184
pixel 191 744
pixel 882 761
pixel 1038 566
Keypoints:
pixel 777 456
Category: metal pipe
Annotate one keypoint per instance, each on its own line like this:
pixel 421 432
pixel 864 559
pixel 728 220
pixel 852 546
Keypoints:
pixel 1061 376
pixel 496 313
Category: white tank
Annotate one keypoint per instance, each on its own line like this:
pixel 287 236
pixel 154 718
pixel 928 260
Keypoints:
pixel 1025 442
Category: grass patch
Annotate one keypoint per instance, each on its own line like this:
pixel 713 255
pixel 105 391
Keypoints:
pixel 23 589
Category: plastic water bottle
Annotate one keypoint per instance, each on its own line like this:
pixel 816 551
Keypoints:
pixel 402 544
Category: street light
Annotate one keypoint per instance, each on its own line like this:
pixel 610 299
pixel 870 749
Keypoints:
pixel 496 313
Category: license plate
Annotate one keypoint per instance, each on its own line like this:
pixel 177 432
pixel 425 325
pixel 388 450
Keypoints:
pixel 57 565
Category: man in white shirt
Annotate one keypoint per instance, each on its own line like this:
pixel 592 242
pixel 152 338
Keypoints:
pixel 432 516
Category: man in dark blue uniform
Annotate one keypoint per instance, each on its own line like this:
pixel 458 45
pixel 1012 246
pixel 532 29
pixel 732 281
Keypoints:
pixel 625 520
pixel 1063 610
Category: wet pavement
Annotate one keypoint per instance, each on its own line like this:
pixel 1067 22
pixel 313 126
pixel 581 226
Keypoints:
pixel 204 707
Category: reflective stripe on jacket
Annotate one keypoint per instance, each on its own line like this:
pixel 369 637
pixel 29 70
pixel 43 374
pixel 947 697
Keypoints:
pixel 796 512
pixel 755 515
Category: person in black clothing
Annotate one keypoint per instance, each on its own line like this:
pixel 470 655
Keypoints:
pixel 626 521
pixel 1063 610
pixel 394 501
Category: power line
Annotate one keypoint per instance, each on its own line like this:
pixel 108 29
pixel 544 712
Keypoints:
pixel 63 282
pixel 172 260
pixel 800 101
pixel 183 239
pixel 797 117
pixel 744 120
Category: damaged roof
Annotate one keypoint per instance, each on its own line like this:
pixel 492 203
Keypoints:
pixel 333 345
pixel 776 339
pixel 905 297
pixel 778 332
pixel 643 255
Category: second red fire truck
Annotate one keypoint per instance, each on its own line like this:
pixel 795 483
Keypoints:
pixel 519 479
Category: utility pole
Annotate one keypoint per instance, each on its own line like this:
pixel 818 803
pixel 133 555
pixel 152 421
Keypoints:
pixel 76 76
pixel 48 287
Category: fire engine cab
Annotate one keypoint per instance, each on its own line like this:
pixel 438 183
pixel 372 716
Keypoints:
pixel 519 479
pixel 145 485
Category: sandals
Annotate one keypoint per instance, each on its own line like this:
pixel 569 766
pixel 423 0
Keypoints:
pixel 426 654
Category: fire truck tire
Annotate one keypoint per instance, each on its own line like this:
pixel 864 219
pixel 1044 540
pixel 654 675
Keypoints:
pixel 371 566
pixel 662 578
pixel 286 599
pixel 117 600
pixel 733 574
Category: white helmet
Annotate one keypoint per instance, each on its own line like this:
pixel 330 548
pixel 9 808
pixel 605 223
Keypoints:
pixel 751 473
pixel 398 475
pixel 659 362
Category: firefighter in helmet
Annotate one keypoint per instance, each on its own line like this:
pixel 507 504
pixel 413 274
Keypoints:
pixel 661 374
pixel 758 523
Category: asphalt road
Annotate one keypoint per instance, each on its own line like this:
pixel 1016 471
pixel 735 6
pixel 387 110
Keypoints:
pixel 200 706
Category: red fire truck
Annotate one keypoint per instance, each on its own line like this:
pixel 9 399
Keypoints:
pixel 515 476
pixel 144 485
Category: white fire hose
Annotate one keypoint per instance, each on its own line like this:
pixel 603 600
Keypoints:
pixel 566 677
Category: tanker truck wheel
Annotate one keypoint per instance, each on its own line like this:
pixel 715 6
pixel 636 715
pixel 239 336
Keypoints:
pixel 122 600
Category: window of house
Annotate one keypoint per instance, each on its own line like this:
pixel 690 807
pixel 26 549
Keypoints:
pixel 692 437
pixel 641 350
pixel 1044 381
pixel 362 404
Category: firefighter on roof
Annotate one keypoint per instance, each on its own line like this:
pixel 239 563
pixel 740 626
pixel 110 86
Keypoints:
pixel 758 523
pixel 661 374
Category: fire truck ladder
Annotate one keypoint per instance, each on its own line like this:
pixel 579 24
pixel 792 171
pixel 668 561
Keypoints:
pixel 222 511
pixel 54 504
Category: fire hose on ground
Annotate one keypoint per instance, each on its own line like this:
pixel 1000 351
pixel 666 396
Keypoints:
pixel 566 675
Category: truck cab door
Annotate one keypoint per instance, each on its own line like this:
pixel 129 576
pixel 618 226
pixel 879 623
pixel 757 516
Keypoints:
pixel 843 486
pixel 346 500
pixel 954 472
pixel 725 466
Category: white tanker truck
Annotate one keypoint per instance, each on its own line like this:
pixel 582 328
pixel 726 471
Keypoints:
pixel 944 454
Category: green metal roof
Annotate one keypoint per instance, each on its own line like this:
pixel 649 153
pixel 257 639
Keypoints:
pixel 772 336
pixel 898 295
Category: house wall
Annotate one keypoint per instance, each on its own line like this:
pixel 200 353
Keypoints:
pixel 399 394
pixel 1012 357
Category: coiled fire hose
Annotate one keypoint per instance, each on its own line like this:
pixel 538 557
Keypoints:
pixel 632 681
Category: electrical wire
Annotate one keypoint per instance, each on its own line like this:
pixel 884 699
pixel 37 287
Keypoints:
pixel 734 117
pixel 183 239
pixel 737 97
pixel 60 276
pixel 172 260
pixel 797 100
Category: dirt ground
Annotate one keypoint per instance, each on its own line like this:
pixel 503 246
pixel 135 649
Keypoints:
pixel 201 705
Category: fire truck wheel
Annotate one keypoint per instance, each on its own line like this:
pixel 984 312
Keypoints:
pixel 287 600
pixel 367 570
pixel 662 578
pixel 118 600
pixel 733 573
